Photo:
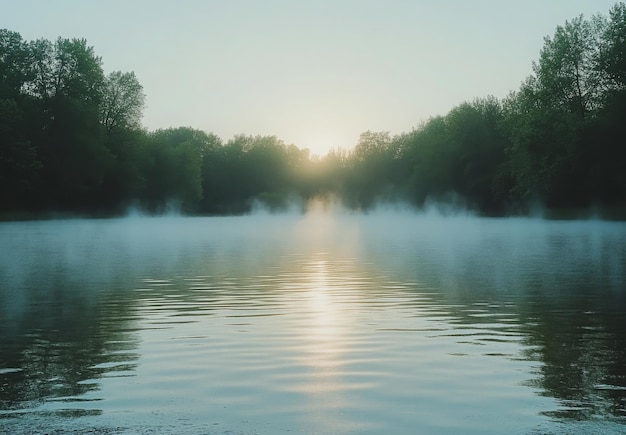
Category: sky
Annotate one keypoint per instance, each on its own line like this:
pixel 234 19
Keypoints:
pixel 315 74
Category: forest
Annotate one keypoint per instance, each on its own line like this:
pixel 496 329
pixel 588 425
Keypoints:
pixel 71 142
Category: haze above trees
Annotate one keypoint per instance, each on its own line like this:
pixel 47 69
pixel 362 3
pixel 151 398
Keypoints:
pixel 71 141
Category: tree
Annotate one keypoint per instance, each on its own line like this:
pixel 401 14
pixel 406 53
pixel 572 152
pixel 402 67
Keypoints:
pixel 612 53
pixel 123 101
pixel 19 166
pixel 264 165
pixel 370 176
pixel 547 119
pixel 567 74
pixel 604 136
pixel 172 168
pixel 66 69
pixel 427 155
pixel 479 153
pixel 65 95
pixel 544 150
pixel 18 157
pixel 14 57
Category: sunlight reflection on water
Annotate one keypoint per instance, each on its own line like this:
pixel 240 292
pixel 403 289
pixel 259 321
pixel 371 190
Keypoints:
pixel 327 324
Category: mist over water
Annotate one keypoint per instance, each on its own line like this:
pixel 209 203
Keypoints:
pixel 329 321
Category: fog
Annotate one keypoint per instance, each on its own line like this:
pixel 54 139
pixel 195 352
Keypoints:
pixel 432 245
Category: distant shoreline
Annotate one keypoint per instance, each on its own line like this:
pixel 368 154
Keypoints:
pixel 611 214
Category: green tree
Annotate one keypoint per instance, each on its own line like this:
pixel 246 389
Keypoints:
pixel 14 59
pixel 19 164
pixel 612 49
pixel 567 73
pixel 604 136
pixel 68 69
pixel 124 180
pixel 548 117
pixel 123 101
pixel 428 154
pixel 264 166
pixel 66 91
pixel 479 148
pixel 370 174
pixel 544 147
pixel 172 168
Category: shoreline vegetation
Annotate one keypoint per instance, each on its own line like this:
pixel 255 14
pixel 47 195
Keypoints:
pixel 610 214
pixel 71 144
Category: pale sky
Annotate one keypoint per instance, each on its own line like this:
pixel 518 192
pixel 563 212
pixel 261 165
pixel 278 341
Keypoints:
pixel 314 73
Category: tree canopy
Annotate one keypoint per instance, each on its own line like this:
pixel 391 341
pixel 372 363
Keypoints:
pixel 71 140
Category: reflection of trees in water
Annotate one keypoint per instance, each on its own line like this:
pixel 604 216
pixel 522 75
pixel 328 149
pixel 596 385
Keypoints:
pixel 580 341
pixel 563 284
pixel 65 304
pixel 576 332
pixel 59 344
pixel 561 293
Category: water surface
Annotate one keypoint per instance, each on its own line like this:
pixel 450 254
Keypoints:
pixel 324 323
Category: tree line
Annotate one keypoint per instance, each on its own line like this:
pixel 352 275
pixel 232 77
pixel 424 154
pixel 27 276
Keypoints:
pixel 71 141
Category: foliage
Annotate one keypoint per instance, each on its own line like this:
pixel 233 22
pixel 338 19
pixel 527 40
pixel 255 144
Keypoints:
pixel 558 147
pixel 123 101
pixel 71 140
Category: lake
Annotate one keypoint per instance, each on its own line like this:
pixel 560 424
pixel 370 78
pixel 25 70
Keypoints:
pixel 328 322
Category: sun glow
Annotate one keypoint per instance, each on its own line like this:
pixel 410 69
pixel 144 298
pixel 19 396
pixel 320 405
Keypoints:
pixel 320 143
